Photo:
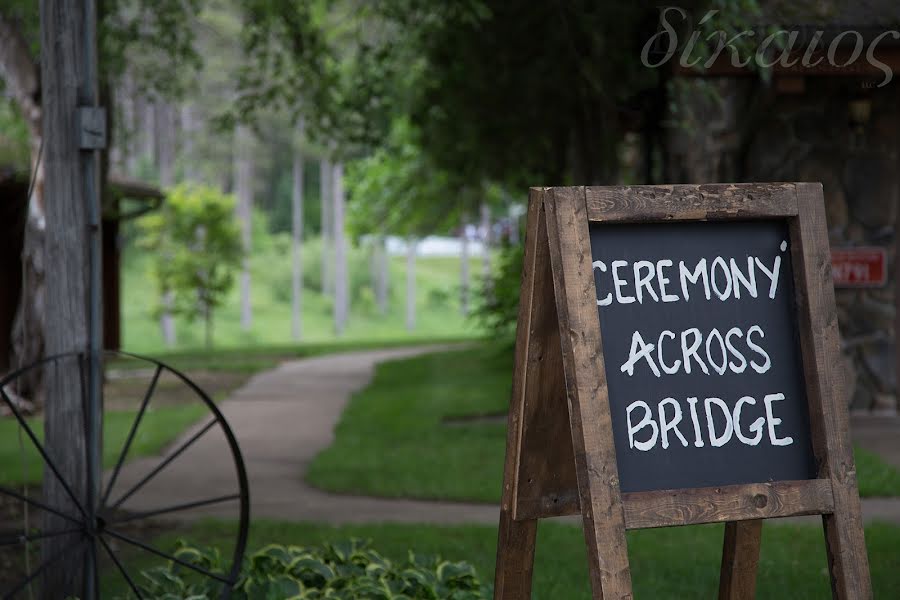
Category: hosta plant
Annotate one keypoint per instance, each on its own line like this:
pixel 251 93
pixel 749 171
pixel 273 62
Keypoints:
pixel 349 570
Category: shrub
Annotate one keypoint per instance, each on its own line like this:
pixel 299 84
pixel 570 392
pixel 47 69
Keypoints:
pixel 498 307
pixel 343 571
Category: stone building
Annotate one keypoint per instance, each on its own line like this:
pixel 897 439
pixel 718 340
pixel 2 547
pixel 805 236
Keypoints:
pixel 839 126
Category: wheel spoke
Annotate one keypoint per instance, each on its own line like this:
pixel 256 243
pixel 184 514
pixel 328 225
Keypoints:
pixel 176 508
pixel 161 554
pixel 130 438
pixel 121 568
pixel 163 464
pixel 43 567
pixel 40 449
pixel 14 494
pixel 21 538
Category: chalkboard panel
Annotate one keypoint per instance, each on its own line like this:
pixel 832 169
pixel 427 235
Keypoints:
pixel 702 356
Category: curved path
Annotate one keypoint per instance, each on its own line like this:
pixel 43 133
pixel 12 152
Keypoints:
pixel 282 418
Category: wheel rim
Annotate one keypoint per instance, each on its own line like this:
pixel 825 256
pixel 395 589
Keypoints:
pixel 96 534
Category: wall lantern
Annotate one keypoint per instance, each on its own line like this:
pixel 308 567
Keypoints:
pixel 860 109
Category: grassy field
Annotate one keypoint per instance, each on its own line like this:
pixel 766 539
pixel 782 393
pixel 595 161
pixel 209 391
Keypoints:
pixel 21 462
pixel 394 438
pixel 671 563
pixel 438 312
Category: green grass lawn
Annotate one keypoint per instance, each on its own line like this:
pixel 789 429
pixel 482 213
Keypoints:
pixel 21 463
pixel 392 439
pixel 666 563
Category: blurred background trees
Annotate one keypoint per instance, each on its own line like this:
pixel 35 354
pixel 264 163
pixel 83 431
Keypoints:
pixel 435 117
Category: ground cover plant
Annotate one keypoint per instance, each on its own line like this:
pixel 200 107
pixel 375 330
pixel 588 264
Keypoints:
pixel 416 431
pixel 671 563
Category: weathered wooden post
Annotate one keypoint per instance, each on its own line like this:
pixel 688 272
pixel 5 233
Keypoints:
pixel 74 128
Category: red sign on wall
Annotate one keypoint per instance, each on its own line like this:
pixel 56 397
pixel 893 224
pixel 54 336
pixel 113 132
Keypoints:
pixel 859 267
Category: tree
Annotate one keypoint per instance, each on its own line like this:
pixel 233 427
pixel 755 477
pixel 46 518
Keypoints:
pixel 158 31
pixel 195 242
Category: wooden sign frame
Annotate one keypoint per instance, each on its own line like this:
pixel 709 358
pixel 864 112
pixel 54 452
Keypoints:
pixel 561 459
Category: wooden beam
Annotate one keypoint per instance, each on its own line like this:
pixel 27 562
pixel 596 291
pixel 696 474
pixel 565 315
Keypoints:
pixel 727 503
pixel 740 560
pixel 648 203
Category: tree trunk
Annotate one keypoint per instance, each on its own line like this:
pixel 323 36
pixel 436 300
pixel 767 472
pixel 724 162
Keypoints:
pixel 378 266
pixel 165 143
pixel 208 321
pixel 486 249
pixel 411 283
pixel 325 195
pixel 297 241
pixel 243 185
pixel 147 116
pixel 69 175
pixel 464 267
pixel 189 128
pixel 341 303
pixel 384 275
pixel 21 75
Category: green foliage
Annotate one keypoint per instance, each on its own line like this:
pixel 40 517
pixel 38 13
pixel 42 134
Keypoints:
pixel 195 244
pixel 345 570
pixel 14 147
pixel 498 309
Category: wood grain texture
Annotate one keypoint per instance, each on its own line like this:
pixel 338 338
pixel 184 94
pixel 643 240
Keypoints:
pixel 829 420
pixel 727 503
pixel 740 560
pixel 516 539
pixel 546 483
pixel 67 260
pixel 589 413
pixel 647 203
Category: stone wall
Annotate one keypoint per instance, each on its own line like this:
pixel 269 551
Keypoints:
pixel 743 130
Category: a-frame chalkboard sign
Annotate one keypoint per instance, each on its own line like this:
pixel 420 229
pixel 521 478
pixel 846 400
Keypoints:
pixel 715 394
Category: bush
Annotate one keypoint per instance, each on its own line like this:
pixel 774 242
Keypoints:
pixel 342 571
pixel 498 307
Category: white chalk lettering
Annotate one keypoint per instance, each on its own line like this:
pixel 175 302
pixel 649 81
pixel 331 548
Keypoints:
pixel 599 264
pixel 768 363
pixel 698 437
pixel 714 439
pixel 688 351
pixel 719 368
pixel 619 283
pixel 664 281
pixel 686 275
pixel 646 421
pixel 756 427
pixel 666 425
pixel 641 283
pixel 739 368
pixel 773 421
pixel 748 281
pixel 726 273
pixel 659 352
pixel 639 350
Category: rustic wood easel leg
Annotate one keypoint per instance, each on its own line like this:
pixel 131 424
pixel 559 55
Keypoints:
pixel 820 341
pixel 516 539
pixel 740 559
pixel 515 558
pixel 589 414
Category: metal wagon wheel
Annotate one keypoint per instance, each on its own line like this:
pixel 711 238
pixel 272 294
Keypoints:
pixel 104 530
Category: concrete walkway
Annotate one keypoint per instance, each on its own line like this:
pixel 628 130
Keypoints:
pixel 283 417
